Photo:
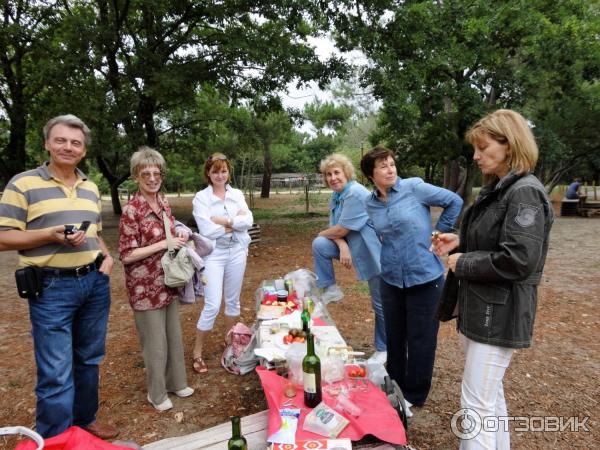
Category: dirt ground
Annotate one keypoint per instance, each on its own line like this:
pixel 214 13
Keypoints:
pixel 558 376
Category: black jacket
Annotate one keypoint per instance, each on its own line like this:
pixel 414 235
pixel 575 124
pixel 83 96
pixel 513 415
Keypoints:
pixel 504 241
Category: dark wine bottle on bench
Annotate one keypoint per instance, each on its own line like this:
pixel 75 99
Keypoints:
pixel 237 441
pixel 311 371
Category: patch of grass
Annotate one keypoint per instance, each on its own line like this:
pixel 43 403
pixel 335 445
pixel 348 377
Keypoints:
pixel 360 288
pixel 315 199
pixel 301 227
pixel 272 214
pixel 15 383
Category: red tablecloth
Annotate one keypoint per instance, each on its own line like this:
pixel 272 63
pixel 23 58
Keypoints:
pixel 377 418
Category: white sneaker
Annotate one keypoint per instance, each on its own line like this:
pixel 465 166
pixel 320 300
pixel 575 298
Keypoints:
pixel 185 392
pixel 380 357
pixel 332 293
pixel 162 406
pixel 407 410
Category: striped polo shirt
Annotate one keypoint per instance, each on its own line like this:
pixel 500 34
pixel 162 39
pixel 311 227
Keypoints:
pixel 34 200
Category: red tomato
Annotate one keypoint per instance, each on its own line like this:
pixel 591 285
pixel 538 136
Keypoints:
pixel 362 372
pixel 288 338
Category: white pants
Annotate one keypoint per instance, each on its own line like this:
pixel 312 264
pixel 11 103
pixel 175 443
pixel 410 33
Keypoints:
pixel 224 270
pixel 482 393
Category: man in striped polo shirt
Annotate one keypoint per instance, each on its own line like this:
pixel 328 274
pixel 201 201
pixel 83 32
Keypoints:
pixel 70 317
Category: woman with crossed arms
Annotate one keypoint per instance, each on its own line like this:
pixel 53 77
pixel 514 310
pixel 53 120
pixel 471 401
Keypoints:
pixel 223 216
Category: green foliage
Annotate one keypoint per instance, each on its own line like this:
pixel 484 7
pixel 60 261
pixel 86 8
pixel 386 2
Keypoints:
pixel 26 27
pixel 439 66
pixel 174 75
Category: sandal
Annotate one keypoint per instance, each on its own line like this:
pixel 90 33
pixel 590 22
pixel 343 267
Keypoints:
pixel 199 365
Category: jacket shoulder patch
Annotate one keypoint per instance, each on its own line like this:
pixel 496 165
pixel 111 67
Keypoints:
pixel 526 215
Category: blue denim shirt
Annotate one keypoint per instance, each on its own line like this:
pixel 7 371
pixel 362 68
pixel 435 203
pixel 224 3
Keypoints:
pixel 348 210
pixel 403 223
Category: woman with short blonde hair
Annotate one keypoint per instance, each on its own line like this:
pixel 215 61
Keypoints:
pixel 144 157
pixel 142 243
pixel 350 238
pixel 341 161
pixel 510 128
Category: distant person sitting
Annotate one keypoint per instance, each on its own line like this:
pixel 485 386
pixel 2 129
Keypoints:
pixel 573 190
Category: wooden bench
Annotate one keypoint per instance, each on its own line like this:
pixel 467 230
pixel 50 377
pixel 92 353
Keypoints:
pixel 254 429
pixel 254 233
pixel 586 208
pixel 569 207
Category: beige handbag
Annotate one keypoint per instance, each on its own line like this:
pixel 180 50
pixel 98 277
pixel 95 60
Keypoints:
pixel 176 264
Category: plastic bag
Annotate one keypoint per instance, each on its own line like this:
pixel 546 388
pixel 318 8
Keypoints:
pixel 238 357
pixel 325 421
pixel 294 356
pixel 305 282
pixel 376 372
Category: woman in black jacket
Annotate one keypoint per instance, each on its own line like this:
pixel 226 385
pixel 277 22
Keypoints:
pixel 494 272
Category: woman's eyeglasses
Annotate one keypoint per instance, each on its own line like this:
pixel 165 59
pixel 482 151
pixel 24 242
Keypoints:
pixel 148 175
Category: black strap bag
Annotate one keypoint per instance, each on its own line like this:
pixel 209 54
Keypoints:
pixel 29 282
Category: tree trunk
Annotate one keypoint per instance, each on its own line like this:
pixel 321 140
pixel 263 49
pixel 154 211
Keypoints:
pixel 114 182
pixel 15 157
pixel 466 184
pixel 114 196
pixel 268 169
pixel 452 175
pixel 306 198
pixel 146 109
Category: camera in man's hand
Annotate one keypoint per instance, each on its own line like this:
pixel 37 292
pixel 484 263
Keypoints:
pixel 72 229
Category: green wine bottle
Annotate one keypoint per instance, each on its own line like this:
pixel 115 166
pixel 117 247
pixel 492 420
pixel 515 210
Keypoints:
pixel 237 441
pixel 311 374
pixel 305 316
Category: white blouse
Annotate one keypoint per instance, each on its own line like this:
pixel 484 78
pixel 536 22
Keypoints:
pixel 206 205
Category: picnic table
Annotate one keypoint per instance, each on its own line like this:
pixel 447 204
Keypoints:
pixel 579 207
pixel 256 427
pixel 587 208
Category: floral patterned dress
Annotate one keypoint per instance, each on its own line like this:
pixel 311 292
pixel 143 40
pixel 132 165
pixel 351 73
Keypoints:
pixel 139 227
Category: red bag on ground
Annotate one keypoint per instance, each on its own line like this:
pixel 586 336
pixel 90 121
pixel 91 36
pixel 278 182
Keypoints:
pixel 73 438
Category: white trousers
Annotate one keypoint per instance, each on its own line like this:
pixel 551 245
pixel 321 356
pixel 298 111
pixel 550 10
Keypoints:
pixel 224 270
pixel 483 394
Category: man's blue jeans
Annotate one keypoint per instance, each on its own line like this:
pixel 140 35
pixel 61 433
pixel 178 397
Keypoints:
pixel 324 251
pixel 411 329
pixel 69 331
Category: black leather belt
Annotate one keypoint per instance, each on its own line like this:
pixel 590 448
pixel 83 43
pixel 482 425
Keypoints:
pixel 74 271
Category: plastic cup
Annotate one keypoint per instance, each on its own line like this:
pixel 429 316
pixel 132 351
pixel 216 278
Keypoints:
pixel 345 404
pixel 356 375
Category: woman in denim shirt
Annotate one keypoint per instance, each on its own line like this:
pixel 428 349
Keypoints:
pixel 351 239
pixel 412 276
